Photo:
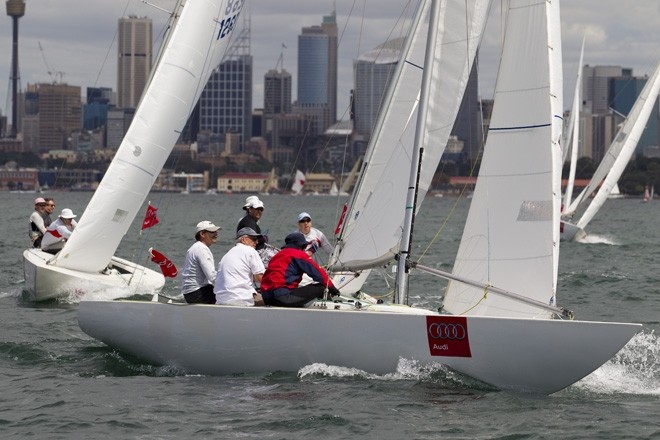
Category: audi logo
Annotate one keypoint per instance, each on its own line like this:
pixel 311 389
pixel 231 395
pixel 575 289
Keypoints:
pixel 447 331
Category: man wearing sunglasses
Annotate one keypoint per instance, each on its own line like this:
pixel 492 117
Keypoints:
pixel 315 238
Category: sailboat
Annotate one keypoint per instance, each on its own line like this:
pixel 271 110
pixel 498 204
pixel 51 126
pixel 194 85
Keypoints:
pixel 298 183
pixel 648 194
pixel 334 190
pixel 614 162
pixel 270 183
pixel 197 40
pixel 347 184
pixel 615 193
pixel 527 351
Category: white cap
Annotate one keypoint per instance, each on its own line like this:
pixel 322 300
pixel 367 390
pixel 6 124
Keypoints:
pixel 253 202
pixel 67 213
pixel 206 226
pixel 303 215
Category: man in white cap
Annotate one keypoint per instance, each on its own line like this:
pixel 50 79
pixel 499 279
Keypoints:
pixel 238 270
pixel 37 225
pixel 59 232
pixel 198 274
pixel 315 238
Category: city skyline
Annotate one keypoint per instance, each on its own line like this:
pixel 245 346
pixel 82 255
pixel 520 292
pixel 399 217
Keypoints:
pixel 78 49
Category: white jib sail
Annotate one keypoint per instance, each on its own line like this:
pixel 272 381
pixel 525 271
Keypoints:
pixel 625 143
pixel 373 225
pixel 511 236
pixel 197 44
pixel 574 133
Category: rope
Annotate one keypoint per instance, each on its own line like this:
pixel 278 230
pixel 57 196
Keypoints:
pixel 478 302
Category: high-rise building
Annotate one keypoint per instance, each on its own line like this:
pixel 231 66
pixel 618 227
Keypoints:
pixel 372 73
pixel 317 73
pixel 277 92
pixel 595 87
pixel 117 123
pixel 134 59
pixel 225 106
pixel 609 92
pixel 95 111
pixel 623 93
pixel 60 114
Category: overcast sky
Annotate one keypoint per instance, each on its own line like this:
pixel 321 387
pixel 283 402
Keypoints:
pixel 77 38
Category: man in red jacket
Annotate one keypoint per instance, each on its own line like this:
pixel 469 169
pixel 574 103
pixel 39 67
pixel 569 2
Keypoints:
pixel 279 285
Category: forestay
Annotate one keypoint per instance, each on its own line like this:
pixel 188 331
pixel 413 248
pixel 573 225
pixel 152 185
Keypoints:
pixel 198 41
pixel 511 236
pixel 373 225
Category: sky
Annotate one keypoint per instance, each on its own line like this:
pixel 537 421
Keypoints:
pixel 78 47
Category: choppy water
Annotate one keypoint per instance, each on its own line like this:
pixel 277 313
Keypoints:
pixel 60 384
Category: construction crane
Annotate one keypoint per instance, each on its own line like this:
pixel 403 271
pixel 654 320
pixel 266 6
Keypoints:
pixel 54 75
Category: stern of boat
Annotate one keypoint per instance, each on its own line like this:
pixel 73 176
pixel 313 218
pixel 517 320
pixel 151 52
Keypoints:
pixel 46 281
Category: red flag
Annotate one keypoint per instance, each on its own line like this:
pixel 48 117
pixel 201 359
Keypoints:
pixel 341 219
pixel 166 266
pixel 150 218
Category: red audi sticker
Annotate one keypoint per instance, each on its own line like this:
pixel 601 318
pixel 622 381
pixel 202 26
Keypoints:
pixel 448 336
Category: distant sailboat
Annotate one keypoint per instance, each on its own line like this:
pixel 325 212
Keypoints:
pixel 648 194
pixel 298 183
pixel 271 183
pixel 614 162
pixel 616 193
pixel 350 180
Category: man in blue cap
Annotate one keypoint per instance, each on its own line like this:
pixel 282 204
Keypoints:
pixel 279 285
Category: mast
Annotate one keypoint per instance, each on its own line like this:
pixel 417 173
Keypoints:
pixel 411 199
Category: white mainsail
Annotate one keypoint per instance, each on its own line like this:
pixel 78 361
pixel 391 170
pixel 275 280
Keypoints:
pixel 373 225
pixel 198 41
pixel 622 148
pixel 511 236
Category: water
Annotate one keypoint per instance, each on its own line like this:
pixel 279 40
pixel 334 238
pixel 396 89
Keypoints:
pixel 60 384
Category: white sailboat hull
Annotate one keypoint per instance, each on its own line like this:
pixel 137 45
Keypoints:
pixel 46 281
pixel 538 356
pixel 571 232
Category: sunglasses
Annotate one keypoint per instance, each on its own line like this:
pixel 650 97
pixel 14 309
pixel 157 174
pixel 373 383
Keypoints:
pixel 305 220
pixel 258 209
